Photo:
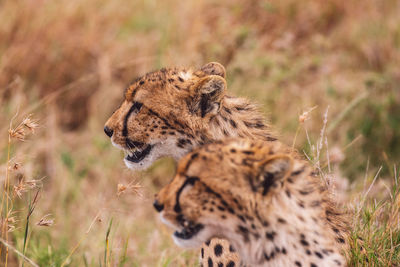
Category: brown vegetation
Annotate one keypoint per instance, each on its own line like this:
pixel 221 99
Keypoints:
pixel 67 62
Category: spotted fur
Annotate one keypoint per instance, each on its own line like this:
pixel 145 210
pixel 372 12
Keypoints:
pixel 260 196
pixel 171 111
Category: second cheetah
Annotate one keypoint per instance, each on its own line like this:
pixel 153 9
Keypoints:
pixel 270 205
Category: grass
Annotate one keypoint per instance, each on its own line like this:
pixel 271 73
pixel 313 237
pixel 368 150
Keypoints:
pixel 68 62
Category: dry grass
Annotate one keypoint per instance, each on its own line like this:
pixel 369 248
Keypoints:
pixel 68 62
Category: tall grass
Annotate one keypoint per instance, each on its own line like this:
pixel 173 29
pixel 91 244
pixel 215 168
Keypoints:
pixel 69 61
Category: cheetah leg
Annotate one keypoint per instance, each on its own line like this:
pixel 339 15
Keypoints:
pixel 218 252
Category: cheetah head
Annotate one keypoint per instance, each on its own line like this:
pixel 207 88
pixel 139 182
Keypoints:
pixel 218 187
pixel 164 111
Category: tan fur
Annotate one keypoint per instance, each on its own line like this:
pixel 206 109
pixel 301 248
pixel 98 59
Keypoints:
pixel 170 119
pixel 269 204
pixel 171 116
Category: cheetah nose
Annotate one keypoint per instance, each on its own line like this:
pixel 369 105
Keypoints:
pixel 159 207
pixel 109 132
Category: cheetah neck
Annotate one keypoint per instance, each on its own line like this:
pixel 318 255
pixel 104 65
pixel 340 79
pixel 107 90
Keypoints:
pixel 292 230
pixel 239 118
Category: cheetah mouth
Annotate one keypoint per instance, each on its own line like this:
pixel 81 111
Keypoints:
pixel 138 155
pixel 189 231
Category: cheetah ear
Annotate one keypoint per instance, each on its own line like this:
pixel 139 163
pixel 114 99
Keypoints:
pixel 272 171
pixel 207 95
pixel 214 68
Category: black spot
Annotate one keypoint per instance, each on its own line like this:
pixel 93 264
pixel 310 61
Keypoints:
pixel 304 243
pixel 248 152
pixel 327 251
pixel 308 252
pixel 180 79
pixel 313 265
pixel 288 193
pixel 241 218
pixel 338 263
pixel 218 249
pixel 141 82
pixel 210 262
pixel 231 249
pixel 244 232
pixel 220 264
pixel 272 255
pixel 270 235
pixel 181 143
pixel 305 192
pixel 227 110
pixel 319 255
pixel 340 240
pixel 221 208
pixel 202 253
pixel 284 251
pixel 266 257
pixel 297 263
pixel 230 264
pixel 280 220
pixel 234 125
pixel 233 150
pixel 208 243
pixel 231 210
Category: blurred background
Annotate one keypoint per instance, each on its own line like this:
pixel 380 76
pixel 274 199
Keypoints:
pixel 67 63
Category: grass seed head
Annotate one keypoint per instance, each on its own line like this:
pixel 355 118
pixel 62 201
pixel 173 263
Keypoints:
pixel 30 124
pixel 306 115
pixel 45 221
pixel 17 133
pixel 134 187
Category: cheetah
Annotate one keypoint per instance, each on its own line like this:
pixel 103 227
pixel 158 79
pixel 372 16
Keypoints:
pixel 169 112
pixel 270 205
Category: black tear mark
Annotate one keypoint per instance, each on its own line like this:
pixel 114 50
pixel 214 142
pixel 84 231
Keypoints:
pixel 135 107
pixel 188 181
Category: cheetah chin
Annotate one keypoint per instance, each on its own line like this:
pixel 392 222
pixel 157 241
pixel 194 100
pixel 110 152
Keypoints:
pixel 191 235
pixel 140 159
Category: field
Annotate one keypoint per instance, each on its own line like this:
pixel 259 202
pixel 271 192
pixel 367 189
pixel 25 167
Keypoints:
pixel 68 199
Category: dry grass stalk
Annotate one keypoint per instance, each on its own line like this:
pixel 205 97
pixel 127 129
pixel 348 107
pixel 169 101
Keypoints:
pixel 133 186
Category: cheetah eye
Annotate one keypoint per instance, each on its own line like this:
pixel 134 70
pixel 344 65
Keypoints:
pixel 137 106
